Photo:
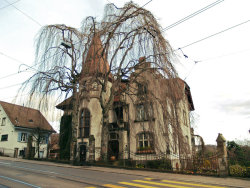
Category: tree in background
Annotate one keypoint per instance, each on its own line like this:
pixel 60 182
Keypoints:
pixel 238 154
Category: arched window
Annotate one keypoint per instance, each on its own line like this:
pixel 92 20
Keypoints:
pixel 84 128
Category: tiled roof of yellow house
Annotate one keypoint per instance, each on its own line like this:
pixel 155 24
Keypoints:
pixel 21 116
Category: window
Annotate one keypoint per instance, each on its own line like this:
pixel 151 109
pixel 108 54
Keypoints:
pixel 4 121
pixel 145 141
pixel 184 118
pixel 84 128
pixel 187 140
pixel 84 86
pixel 113 136
pixel 43 140
pixel 142 89
pixel 23 137
pixel 144 112
pixel 21 153
pixel 95 86
pixel 167 149
pixel 119 113
pixel 4 137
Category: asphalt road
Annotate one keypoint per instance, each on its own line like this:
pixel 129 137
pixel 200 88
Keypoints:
pixel 24 173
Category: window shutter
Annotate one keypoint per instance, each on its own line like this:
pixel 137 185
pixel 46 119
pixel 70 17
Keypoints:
pixel 47 139
pixel 19 137
pixel 28 134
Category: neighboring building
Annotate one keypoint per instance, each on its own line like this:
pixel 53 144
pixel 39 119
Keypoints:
pixel 154 122
pixel 18 127
pixel 54 146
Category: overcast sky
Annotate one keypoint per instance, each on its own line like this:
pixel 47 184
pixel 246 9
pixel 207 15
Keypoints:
pixel 219 81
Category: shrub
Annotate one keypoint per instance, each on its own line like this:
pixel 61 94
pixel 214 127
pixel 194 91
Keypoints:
pixel 237 170
pixel 248 172
pixel 140 166
pixel 159 164
pixel 127 163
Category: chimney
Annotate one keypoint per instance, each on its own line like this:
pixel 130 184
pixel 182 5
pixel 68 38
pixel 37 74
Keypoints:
pixel 142 65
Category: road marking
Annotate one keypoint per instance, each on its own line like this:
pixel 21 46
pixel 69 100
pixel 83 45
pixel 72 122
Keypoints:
pixel 45 171
pixel 161 184
pixel 113 186
pixel 137 185
pixel 18 181
pixel 193 184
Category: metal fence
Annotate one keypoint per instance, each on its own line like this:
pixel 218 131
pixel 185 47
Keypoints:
pixel 161 162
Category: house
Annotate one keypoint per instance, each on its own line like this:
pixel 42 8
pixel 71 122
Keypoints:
pixel 151 123
pixel 24 132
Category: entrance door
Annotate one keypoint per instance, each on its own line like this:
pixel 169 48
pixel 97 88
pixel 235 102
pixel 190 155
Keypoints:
pixel 83 153
pixel 15 152
pixel 113 149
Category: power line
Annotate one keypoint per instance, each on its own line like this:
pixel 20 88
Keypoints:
pixel 12 58
pixel 9 4
pixel 146 3
pixel 14 96
pixel 192 15
pixel 10 75
pixel 11 86
pixel 224 55
pixel 24 14
pixel 174 50
pixel 200 40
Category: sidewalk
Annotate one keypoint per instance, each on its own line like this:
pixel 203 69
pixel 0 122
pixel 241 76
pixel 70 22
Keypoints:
pixel 225 181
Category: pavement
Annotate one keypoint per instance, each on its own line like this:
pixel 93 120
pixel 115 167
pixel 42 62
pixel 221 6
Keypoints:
pixel 222 181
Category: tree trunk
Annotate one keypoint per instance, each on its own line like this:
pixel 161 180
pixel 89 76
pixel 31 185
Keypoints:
pixel 73 149
pixel 38 147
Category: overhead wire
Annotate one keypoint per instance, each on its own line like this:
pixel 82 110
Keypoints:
pixel 172 25
pixel 12 58
pixel 192 15
pixel 35 21
pixel 38 62
pixel 14 96
pixel 192 43
pixel 200 40
pixel 225 55
pixel 11 86
pixel 9 5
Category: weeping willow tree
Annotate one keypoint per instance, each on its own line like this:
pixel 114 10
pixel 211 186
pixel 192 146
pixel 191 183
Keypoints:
pixel 102 52
pixel 58 62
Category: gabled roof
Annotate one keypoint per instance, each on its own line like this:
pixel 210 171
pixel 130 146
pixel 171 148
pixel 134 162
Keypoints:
pixel 176 89
pixel 66 104
pixel 21 116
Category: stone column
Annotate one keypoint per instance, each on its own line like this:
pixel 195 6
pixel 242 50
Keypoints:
pixel 222 155
pixel 91 148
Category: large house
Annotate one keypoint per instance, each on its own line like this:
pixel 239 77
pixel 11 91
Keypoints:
pixel 23 131
pixel 152 121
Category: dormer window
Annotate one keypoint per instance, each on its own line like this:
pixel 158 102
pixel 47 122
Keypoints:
pixel 142 89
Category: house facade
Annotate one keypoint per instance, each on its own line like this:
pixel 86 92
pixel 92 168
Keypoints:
pixel 23 131
pixel 149 118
